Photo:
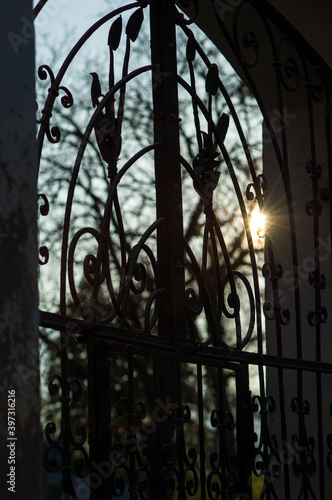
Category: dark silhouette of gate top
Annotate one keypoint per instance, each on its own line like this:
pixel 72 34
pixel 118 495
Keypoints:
pixel 275 441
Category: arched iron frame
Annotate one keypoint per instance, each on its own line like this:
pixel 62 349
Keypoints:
pixel 164 471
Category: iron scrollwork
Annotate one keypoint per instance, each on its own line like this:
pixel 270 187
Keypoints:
pixel 304 463
pixel 205 173
pixel 66 446
pixel 228 303
pixel 178 471
pixel 267 461
pixel 222 481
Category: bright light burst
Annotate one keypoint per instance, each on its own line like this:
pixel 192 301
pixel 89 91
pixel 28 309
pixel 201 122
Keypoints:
pixel 257 224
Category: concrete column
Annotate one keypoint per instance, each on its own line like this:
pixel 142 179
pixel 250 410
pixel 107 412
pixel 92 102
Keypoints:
pixel 19 361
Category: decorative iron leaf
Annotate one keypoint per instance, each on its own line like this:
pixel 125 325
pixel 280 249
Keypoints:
pixel 205 139
pixel 222 126
pixel 95 89
pixel 191 49
pixel 212 80
pixel 134 24
pixel 114 35
pixel 212 179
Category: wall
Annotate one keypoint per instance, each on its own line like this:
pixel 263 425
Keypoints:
pixel 19 255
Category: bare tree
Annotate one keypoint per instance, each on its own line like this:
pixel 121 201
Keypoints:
pixel 123 127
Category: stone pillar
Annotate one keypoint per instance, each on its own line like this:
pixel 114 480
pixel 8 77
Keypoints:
pixel 20 457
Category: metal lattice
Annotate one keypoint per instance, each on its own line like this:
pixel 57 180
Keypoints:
pixel 165 323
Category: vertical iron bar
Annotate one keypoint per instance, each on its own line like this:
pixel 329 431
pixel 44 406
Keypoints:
pixel 99 393
pixel 170 246
pixel 201 432
pixel 155 457
pixel 181 446
pixel 223 451
pixel 316 278
pixel 65 419
pixel 132 435
pixel 244 430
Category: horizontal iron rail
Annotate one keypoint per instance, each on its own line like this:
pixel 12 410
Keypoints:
pixel 142 343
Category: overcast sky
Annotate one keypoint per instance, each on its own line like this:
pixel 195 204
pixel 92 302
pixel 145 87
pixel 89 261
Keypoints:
pixel 60 18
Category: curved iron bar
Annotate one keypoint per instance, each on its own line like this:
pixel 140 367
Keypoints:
pixel 149 322
pixel 67 436
pixel 222 479
pixel 51 426
pixel 132 260
pixel 190 4
pixel 44 211
pixel 50 463
pixel 317 316
pixel 267 462
pixel 212 326
pixel 57 80
pixel 269 249
pixel 107 216
pixel 142 486
pixel 129 452
pixel 105 273
pixel 213 322
pixel 230 169
pixel 315 92
pixel 236 49
pixel 65 447
pixel 75 173
pixel 71 253
pixel 178 471
pixel 282 159
pixel 67 101
pixel 39 8
pixel 219 142
pixel 291 71
pixel 230 105
pixel 304 463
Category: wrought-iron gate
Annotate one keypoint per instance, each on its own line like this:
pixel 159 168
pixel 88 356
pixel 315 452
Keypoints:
pixel 164 324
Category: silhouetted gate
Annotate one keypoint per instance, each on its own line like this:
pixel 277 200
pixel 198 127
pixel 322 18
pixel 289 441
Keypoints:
pixel 177 370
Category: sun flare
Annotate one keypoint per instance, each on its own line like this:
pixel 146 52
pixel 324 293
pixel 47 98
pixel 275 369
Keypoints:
pixel 257 224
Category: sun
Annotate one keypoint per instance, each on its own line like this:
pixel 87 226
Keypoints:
pixel 257 224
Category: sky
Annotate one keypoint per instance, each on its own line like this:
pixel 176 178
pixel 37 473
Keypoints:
pixel 61 18
pixel 59 25
pixel 56 14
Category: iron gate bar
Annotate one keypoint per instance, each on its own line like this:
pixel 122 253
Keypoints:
pixel 53 134
pixel 317 316
pixel 100 434
pixel 170 251
pixel 120 337
pixel 170 248
pixel 172 348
